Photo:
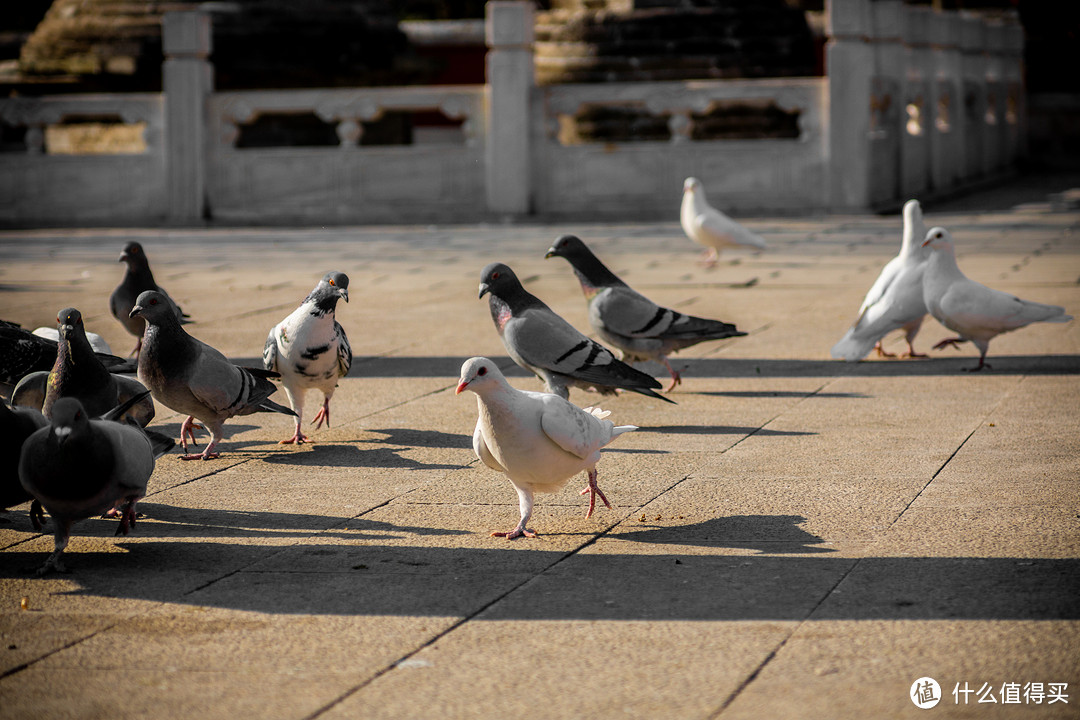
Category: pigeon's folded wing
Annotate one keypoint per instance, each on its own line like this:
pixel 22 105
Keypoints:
pixel 571 428
pixel 270 351
pixel 344 350
pixel 631 314
pixel 482 452
pixel 545 340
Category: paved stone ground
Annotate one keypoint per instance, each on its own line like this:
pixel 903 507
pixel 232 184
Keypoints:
pixel 798 537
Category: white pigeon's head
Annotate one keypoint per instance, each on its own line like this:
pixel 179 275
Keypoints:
pixel 479 375
pixel 938 238
pixel 691 184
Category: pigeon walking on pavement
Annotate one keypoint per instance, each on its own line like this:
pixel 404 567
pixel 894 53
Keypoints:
pixel 624 318
pixel 77 372
pixel 970 309
pixel 538 440
pixel 79 467
pixel 895 300
pixel 137 280
pixel 310 350
pixel 16 425
pixel 709 227
pixel 543 343
pixel 192 378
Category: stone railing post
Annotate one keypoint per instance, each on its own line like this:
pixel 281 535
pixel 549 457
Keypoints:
pixel 187 81
pixel 849 68
pixel 509 32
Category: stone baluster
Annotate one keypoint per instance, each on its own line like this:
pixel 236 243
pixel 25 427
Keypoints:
pixel 849 63
pixel 509 31
pixel 188 80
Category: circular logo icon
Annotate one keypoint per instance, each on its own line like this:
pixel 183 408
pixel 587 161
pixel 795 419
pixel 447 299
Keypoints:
pixel 925 693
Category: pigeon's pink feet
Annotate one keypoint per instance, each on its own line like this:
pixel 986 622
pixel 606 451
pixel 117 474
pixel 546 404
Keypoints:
pixel 207 454
pixel 982 364
pixel 593 491
pixel 515 533
pixel 708 258
pixel 323 414
pixel 676 376
pixel 127 518
pixel 187 430
pixel 298 437
pixel 955 342
pixel 882 353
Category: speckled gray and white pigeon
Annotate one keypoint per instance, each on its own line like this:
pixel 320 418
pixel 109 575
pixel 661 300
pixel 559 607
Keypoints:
pixel 538 440
pixel 137 280
pixel 16 425
pixel 545 344
pixel 79 467
pixel 310 350
pixel 77 372
pixel 624 318
pixel 192 378
pixel 970 309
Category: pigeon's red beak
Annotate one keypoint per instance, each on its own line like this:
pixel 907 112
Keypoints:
pixel 461 386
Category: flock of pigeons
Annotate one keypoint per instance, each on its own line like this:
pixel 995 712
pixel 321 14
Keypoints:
pixel 75 439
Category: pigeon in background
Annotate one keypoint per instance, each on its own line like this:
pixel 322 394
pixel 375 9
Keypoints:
pixel 538 440
pixel 80 467
pixel 96 341
pixel 192 378
pixel 709 227
pixel 22 352
pixel 543 343
pixel 309 350
pixel 16 425
pixel 137 280
pixel 972 310
pixel 895 300
pixel 78 373
pixel 639 328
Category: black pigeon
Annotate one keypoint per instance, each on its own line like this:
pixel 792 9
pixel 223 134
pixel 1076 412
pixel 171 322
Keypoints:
pixel 22 352
pixel 137 279
pixel 542 342
pixel 16 425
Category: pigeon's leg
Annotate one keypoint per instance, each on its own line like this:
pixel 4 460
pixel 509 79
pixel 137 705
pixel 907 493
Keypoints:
pixel 37 515
pixel 525 504
pixel 709 257
pixel 60 534
pixel 911 352
pixel 910 331
pixel 298 437
pixel 593 491
pixel 115 511
pixel 676 376
pixel 187 430
pixel 950 341
pixel 983 347
pixel 323 414
pixel 127 517
pixel 138 348
pixel 208 453
pixel 881 351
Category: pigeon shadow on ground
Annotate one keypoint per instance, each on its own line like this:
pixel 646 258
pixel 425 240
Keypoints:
pixel 408 437
pixel 348 455
pixel 523 581
pixel 717 430
pixel 780 394
pixel 774 534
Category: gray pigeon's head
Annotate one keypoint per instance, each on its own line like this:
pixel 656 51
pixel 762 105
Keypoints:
pixel 153 307
pixel 569 247
pixel 67 320
pixel 133 255
pixel 479 375
pixel 334 285
pixel 68 418
pixel 938 238
pixel 499 280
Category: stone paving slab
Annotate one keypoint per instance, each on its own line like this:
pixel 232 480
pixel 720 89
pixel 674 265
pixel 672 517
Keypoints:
pixel 797 537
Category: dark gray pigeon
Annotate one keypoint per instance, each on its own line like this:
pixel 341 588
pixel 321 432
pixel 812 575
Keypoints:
pixel 137 279
pixel 22 352
pixel 639 328
pixel 310 350
pixel 192 378
pixel 78 373
pixel 16 425
pixel 80 467
pixel 543 343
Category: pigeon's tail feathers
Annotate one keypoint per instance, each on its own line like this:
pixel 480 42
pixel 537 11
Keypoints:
pixel 117 412
pixel 696 328
pixel 159 443
pixel 185 319
pixel 262 373
pixel 271 406
pixel 1060 318
pixel 119 365
pixel 853 348
pixel 652 394
pixel 620 429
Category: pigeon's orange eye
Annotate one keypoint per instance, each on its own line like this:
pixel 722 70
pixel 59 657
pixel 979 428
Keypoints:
pixel 331 282
pixel 482 371
pixel 494 276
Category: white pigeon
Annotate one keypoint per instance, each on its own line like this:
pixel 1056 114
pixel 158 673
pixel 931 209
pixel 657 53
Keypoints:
pixel 310 350
pixel 709 227
pixel 96 341
pixel 895 300
pixel 974 311
pixel 538 440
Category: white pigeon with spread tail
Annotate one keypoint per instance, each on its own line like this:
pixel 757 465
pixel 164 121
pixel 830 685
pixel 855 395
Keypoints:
pixel 972 310
pixel 310 350
pixel 895 300
pixel 538 440
pixel 709 227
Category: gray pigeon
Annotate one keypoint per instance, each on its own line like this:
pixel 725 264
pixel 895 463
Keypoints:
pixel 192 378
pixel 77 372
pixel 17 424
pixel 79 467
pixel 543 343
pixel 310 350
pixel 137 280
pixel 538 440
pixel 639 328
